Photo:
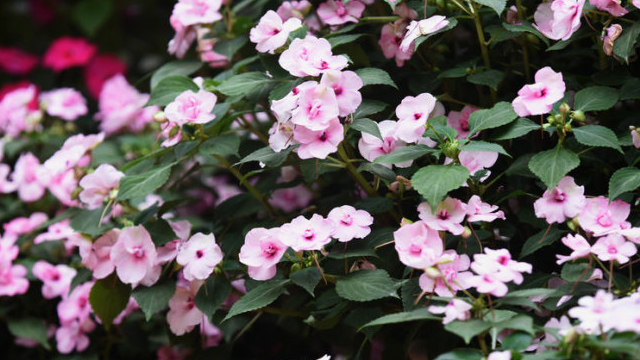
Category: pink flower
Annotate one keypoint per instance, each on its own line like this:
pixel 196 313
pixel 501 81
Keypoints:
pixel 455 310
pixel 25 176
pixel 23 225
pixel 192 12
pixel 558 19
pixel 538 98
pixel 447 216
pixel 601 217
pixel 134 254
pixel 98 256
pixel 391 36
pixel 318 143
pixel 499 263
pixel 67 52
pixel 99 69
pixel 593 312
pixel 19 110
pixel 459 120
pixel 295 9
pixel 476 161
pixel 58 231
pixel 65 103
pixel 72 336
pixel 489 284
pixel 307 234
pixel 97 186
pixel 614 247
pixel 580 246
pixel 372 147
pixel 412 114
pixel 13 279
pixel 183 38
pixel 292 198
pixel 271 33
pixel 183 314
pixel 613 7
pixel 317 107
pixel 261 251
pixel 76 306
pixel 566 200
pixel 191 108
pixel 451 267
pixel 480 211
pixel 350 223
pixel 500 355
pixel 635 136
pixel 310 57
pixel 199 256
pixel 334 12
pixel 420 28
pixel 418 245
pixel 346 86
pixel 17 62
pixel 56 279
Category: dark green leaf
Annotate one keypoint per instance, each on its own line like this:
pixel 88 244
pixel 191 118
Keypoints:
pixel 29 328
pixel 572 272
pixel 630 90
pixel 160 232
pixel 307 278
pixel 367 126
pixel 520 127
pixel 484 146
pixel 212 294
pixel 228 48
pixel 519 322
pixel 169 88
pixel 343 39
pixel 90 15
pixel 490 78
pixel 369 107
pixel 223 145
pixel 366 285
pixel 152 299
pixel 375 76
pixel 541 239
pixel 88 222
pixel 624 46
pixel 259 297
pixel 178 67
pixel 404 154
pixel 246 83
pixel 434 182
pixel 375 205
pixel 596 135
pixel 267 156
pixel 497 5
pixel 454 73
pixel 467 329
pixel 379 170
pixel 108 298
pixel 461 354
pixel 141 185
pixel 517 341
pixel 500 114
pixel 552 165
pixel 415 315
pixel 595 98
pixel 525 26
pixel 622 181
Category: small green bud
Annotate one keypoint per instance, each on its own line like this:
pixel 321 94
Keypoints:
pixel 578 116
pixel 450 149
pixel 564 108
pixel 159 117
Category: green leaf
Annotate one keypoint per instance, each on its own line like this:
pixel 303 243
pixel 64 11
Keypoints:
pixel 572 272
pixel 267 156
pixel 520 127
pixel 551 165
pixel 497 5
pixel 379 170
pixel 630 90
pixel 622 181
pixel 90 15
pixel 369 107
pixel 500 114
pixel 543 238
pixel 108 298
pixel 467 329
pixel 223 145
pixel 246 84
pixel 595 98
pixel 461 354
pixel 484 146
pixel 367 126
pixel 517 341
pixel 160 231
pixel 212 294
pixel 141 185
pixel 525 26
pixel 519 322
pixel 261 296
pixel 624 46
pixel 490 78
pixel 406 153
pixel 228 48
pixel 307 278
pixel 375 76
pixel 169 88
pixel 29 328
pixel 433 182
pixel 374 205
pixel 597 135
pixel 152 299
pixel 88 222
pixel 336 41
pixel 179 67
pixel 366 285
pixel 454 73
pixel 415 315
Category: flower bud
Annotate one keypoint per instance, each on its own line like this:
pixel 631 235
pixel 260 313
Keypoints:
pixel 450 149
pixel 578 116
pixel 466 233
pixel 433 273
pixel 159 117
pixel 564 108
pixel 612 33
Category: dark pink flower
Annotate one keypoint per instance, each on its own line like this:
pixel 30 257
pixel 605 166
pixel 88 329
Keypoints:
pixel 99 69
pixel 67 52
pixel 17 62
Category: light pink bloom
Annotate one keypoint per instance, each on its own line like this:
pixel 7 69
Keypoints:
pixel 25 177
pixel 261 251
pixel 191 108
pixel 500 355
pixel 192 12
pixel 613 7
pixel 500 264
pixel 72 336
pixel 292 198
pixel 459 120
pixel 98 256
pixel 489 284
pixel 476 161
pixel 601 217
pixel 316 107
pixel 334 12
pixel 420 28
pixel 455 310
pixel 76 306
pixel 97 186
pixel 391 36
pixel 371 146
pixel 17 113
pixel 65 103
pixel 170 250
pixel 271 33
pixel 635 135
pixel 451 267
pixel 580 246
pixel 310 57
pixel 283 108
pixel 58 231
pixel 346 86
pixel 183 38
pixel 134 254
pixel 481 211
pixel 350 223
pixel 447 216
pixel 418 245
pixel 614 247
pixel 56 279
pixel 295 9
pixel 538 98
pixel 563 325
pixel 22 225
pixel 183 314
pixel 412 114
pixel 318 143
pixel 12 279
pixel 593 312
pixel 558 19
pixel 199 255
pixel 307 234
pixel 564 201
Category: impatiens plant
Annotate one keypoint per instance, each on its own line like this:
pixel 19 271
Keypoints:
pixel 410 179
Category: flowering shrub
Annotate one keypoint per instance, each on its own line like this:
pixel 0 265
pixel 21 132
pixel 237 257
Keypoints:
pixel 331 179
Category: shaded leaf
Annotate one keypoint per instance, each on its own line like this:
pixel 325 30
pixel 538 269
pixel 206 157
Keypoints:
pixel 267 156
pixel 622 181
pixel 29 328
pixel 261 296
pixel 90 15
pixel 212 294
pixel 141 185
pixel 223 145
pixel 497 5
pixel 367 126
pixel 624 46
pixel 551 165
pixel 307 278
pixel 484 146
pixel 108 298
pixel 520 127
pixel 406 153
pixel 540 240
pixel 490 78
pixel 500 114
pixel 366 285
pixel 467 329
pixel 433 182
pixel 375 76
pixel 169 88
pixel 152 299
pixel 595 98
pixel 415 315
pixel 178 67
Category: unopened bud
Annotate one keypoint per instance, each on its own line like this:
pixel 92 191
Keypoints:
pixel 433 273
pixel 159 117
pixel 405 221
pixel 578 116
pixel 571 337
pixel 295 267
pixel 564 108
pixel 466 233
pixel 450 149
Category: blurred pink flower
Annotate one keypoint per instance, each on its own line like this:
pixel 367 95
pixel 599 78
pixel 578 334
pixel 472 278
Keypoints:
pixel 293 9
pixel 456 309
pixel 97 186
pixel 613 7
pixel 580 246
pixel 558 19
pixel 183 314
pixel 67 52
pixel 614 247
pixel 481 211
pixel 17 62
pixel 98 257
pixel 601 217
pixel 56 278
pixel 451 267
pixel 100 69
pixel 65 103
pixel 192 12
pixel 335 12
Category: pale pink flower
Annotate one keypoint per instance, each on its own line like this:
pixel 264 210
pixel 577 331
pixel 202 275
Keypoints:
pixel 447 216
pixel 23 225
pixel 580 246
pixel 418 245
pixel 192 12
pixel 538 98
pixel 564 201
pixel 635 135
pixel 310 57
pixel 614 247
pixel 261 251
pixel 293 9
pixel 318 143
pixel 98 256
pixel 97 186
pixel 72 336
pixel 500 355
pixel 170 250
pixel 372 147
pixel 593 312
pixel 134 254
pixel 317 106
pixel 58 231
pixel 271 33
pixel 601 217
pixel 183 38
pixel 459 120
pixel 489 284
pixel 13 279
pixel 391 36
pixel 25 176
pixel 333 12
pixel 62 187
pixel 199 255
pixel 423 27
pixel 346 86
pixel 481 211
pixel 558 19
pixel 456 309
pixel 307 234
pixel 212 334
pixel 476 161
pixel 6 186
pixel 563 326
pixel 191 108
pixel 636 3
pixel 283 108
pixel 292 198
pixel 350 223
pixel 500 264
pixel 65 103
pixel 76 306
pixel 16 112
pixel 613 7
pixel 183 314
pixel 412 114
pixel 451 267
pixel 56 278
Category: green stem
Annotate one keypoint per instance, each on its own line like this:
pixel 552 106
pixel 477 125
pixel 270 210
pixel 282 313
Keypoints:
pixel 379 19
pixel 353 172
pixel 483 45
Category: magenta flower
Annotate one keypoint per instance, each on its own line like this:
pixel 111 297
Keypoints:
pixel 538 98
pixel 564 201
pixel 601 217
pixel 420 28
pixel 412 114
pixel 191 108
pixel 17 62
pixel 67 52
pixel 261 251
pixel 333 12
pixel 271 33
pixel 418 245
pixel 318 143
pixel 614 247
pixel 99 69
pixel 456 309
pixel 307 234
pixel 65 103
pixel 346 86
pixel 580 246
pixel 481 211
pixel 97 186
pixel 192 12
pixel 134 254
pixel 558 19
pixel 199 256
pixel 447 216
pixel 56 278
pixel 350 223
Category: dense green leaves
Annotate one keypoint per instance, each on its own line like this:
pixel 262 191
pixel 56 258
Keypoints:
pixel 551 165
pixel 259 297
pixel 141 185
pixel 169 88
pixel 623 180
pixel 152 299
pixel 307 278
pixel 467 329
pixel 433 182
pixel 250 84
pixel 108 298
pixel 415 315
pixel 497 5
pixel 366 285
pixel 500 114
pixel 624 46
pixel 490 78
pixel 29 328
pixel 595 98
pixel 520 127
pixel 541 239
pixel 596 135
pixel 375 76
pixel 212 294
